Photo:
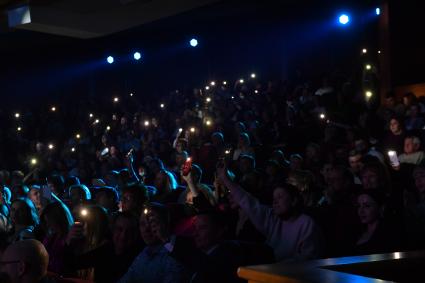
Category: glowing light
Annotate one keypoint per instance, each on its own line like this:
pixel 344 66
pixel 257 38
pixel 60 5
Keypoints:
pixel 77 136
pixel 368 67
pixel 208 99
pixel 73 149
pixel 19 129
pixel 379 51
pixel 397 255
pixel 193 42
pixel 116 99
pixel 146 123
pixel 253 75
pixel 162 105
pixel 131 94
pixel 180 130
pixel 53 108
pixel 227 151
pixel 51 146
pixel 378 11
pixel 207 87
pixel 110 59
pixel 322 116
pixel 33 161
pixel 96 121
pixel 224 83
pixel 233 97
pixel 137 55
pixel 91 115
pixel 364 50
pixel 145 211
pixel 256 91
pixel 84 212
pixel 192 130
pixel 17 115
pixel 108 128
pixel 344 19
pixel 241 81
pixel 208 122
pixel 368 94
pixel 212 83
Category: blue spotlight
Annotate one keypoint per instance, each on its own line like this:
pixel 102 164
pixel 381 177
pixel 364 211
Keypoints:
pixel 110 59
pixel 193 42
pixel 344 19
pixel 378 11
pixel 137 55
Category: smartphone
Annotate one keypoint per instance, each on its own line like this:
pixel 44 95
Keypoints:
pixel 46 192
pixel 393 158
pixel 187 166
pixel 104 152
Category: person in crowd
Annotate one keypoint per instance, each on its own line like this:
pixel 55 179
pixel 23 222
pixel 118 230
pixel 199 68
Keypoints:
pixel 374 175
pixel 166 186
pixel 154 264
pixel 34 195
pixel 377 235
pixel 56 185
pixel 127 242
pixel 244 147
pixel 79 195
pixel 25 261
pixel 195 187
pixel 356 165
pixel 89 251
pixel 24 219
pixel 56 221
pixel 412 153
pixel 133 198
pixel 292 235
pixel 414 121
pixel 414 203
pixel 107 197
pixel 394 139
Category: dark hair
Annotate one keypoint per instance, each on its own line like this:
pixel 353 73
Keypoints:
pixel 138 192
pixel 59 214
pixel 27 214
pixel 377 195
pixel 57 181
pixel 294 194
pixel 109 191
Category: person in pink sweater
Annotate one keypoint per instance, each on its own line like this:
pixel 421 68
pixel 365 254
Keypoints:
pixel 292 234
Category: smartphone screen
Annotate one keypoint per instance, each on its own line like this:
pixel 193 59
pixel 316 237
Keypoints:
pixel 393 158
pixel 46 192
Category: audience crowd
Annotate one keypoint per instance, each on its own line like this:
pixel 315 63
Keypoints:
pixel 191 186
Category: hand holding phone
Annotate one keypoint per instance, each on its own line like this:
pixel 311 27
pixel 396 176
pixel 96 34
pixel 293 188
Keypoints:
pixel 395 162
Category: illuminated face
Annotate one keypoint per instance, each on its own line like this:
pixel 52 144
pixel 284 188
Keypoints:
pixel 356 163
pixel 34 196
pixel 368 209
pixel 395 127
pixel 409 146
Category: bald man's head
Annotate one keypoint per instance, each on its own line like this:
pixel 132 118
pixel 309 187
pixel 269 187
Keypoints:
pixel 25 261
